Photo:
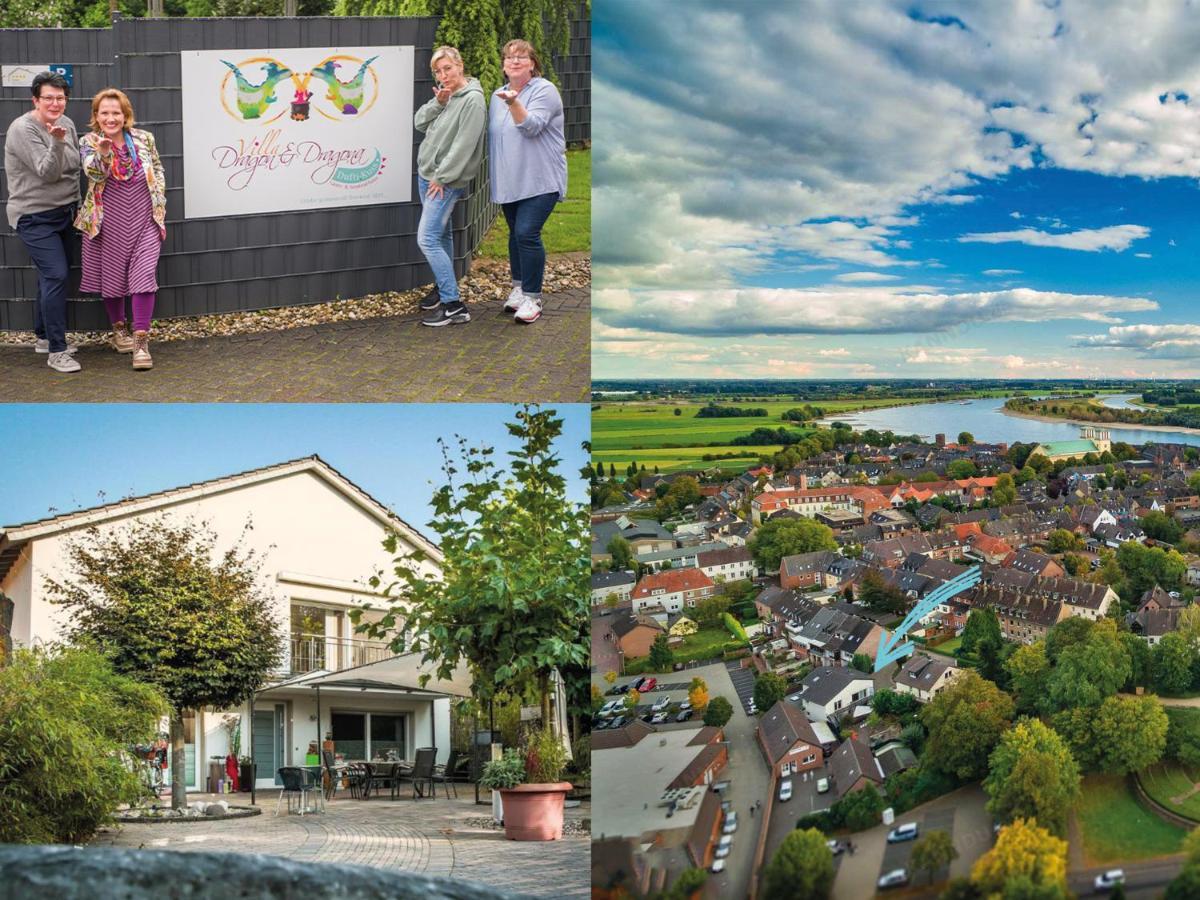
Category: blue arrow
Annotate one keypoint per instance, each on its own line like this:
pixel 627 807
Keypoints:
pixel 893 647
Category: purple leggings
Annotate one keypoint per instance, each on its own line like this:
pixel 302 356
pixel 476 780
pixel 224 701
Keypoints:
pixel 143 310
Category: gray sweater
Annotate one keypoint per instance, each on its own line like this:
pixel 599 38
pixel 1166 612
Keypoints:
pixel 454 136
pixel 43 173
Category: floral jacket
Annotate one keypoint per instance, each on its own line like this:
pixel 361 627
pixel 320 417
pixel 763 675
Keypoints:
pixel 91 213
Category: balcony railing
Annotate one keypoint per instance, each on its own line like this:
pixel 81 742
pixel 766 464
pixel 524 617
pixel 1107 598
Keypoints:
pixel 311 652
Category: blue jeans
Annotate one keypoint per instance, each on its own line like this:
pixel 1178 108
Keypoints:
pixel 526 253
pixel 434 237
pixel 47 236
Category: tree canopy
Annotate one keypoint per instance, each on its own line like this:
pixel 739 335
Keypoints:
pixel 965 721
pixel 778 538
pixel 802 868
pixel 1024 852
pixel 1032 774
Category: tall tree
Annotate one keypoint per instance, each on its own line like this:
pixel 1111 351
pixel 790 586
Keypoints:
pixel 787 537
pixel 880 596
pixel 1124 734
pixel 698 693
pixel 719 712
pixel 965 722
pixel 1171 662
pixel 1005 491
pixel 802 868
pixel 1029 671
pixel 769 689
pixel 512 597
pixel 151 597
pixel 1032 774
pixel 1090 670
pixel 981 623
pixel 933 851
pixel 660 654
pixel 1024 851
pixel 620 551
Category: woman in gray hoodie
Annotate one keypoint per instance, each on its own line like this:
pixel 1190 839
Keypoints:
pixel 455 126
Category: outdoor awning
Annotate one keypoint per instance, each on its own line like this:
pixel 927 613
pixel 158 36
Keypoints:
pixel 400 674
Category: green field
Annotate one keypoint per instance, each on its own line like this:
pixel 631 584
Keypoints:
pixel 1115 827
pixel 1169 781
pixel 569 228
pixel 650 432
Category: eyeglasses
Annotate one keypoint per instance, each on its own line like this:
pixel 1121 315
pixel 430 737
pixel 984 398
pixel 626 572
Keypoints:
pixel 52 98
pixel 516 59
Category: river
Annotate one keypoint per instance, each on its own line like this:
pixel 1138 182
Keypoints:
pixel 986 421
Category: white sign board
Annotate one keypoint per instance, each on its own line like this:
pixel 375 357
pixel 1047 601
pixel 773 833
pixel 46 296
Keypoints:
pixel 300 128
pixel 20 76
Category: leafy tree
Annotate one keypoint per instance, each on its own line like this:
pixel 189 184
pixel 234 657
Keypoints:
pixel 981 623
pixel 632 698
pixel 1171 662
pixel 511 601
pixel 687 884
pixel 683 492
pixel 660 654
pixel 1183 736
pixel 710 610
pixel 1029 670
pixel 678 411
pixel 1143 567
pixel 151 598
pixel 1023 850
pixel 1061 540
pixel 1185 885
pixel 863 663
pixel 769 689
pixel 1005 491
pixel 966 438
pixel 860 809
pixel 1125 734
pixel 961 468
pixel 620 551
pixel 1067 633
pixel 992 654
pixel 933 851
pixel 802 868
pixel 1087 672
pixel 1076 565
pixel 960 889
pixel 965 722
pixel 1032 774
pixel 1162 527
pixel 698 693
pixel 719 712
pixel 787 537
pixel 65 719
pixel 893 703
pixel 610 677
pixel 880 596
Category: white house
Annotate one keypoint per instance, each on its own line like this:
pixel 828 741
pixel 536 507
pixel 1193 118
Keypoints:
pixel 924 677
pixel 830 691
pixel 318 538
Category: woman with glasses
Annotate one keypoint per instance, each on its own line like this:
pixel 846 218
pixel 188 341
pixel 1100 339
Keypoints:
pixel 123 219
pixel 528 166
pixel 453 122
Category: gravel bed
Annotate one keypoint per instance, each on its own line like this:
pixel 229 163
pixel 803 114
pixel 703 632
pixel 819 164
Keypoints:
pixel 488 280
pixel 570 826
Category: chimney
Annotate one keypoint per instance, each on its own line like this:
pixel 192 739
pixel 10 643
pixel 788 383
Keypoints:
pixel 940 440
pixel 803 482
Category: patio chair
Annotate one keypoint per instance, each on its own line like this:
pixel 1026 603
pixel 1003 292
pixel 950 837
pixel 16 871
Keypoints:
pixel 356 778
pixel 296 785
pixel 444 775
pixel 422 771
pixel 330 771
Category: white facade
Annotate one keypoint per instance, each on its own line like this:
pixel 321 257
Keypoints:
pixel 317 538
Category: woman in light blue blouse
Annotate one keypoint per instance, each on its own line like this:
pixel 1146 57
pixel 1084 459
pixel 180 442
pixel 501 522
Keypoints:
pixel 527 159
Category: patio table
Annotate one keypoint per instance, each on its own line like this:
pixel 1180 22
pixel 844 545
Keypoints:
pixel 376 770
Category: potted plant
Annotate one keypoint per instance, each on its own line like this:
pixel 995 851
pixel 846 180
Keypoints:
pixel 246 773
pixel 528 782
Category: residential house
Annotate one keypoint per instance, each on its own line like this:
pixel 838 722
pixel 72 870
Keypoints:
pixel 672 590
pixel 828 692
pixel 635 634
pixel 643 535
pixel 317 538
pixel 727 564
pixel 612 584
pixel 1156 615
pixel 805 570
pixel 891 552
pixel 788 741
pixel 924 677
pixel 853 767
pixel 1039 564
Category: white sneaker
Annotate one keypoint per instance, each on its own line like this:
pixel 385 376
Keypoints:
pixel 63 362
pixel 42 345
pixel 530 310
pixel 513 303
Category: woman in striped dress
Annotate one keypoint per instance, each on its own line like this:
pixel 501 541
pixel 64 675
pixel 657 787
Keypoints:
pixel 123 219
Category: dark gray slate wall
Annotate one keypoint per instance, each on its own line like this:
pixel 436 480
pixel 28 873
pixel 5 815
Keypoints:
pixel 263 260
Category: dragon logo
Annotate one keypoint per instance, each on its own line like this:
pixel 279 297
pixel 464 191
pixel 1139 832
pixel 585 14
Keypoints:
pixel 254 97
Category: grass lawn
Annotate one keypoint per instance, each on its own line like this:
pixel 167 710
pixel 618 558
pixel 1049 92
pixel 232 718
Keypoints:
pixel 569 227
pixel 1115 827
pixel 670 459
pixel 1168 781
pixel 949 647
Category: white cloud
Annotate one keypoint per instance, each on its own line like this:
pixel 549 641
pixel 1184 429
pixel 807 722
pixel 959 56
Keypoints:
pixel 1015 214
pixel 1114 237
pixel 1172 341
pixel 881 310
pixel 834 351
pixel 865 277
pixel 1142 255
pixel 1001 271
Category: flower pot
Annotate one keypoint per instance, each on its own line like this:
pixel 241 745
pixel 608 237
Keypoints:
pixel 246 776
pixel 534 812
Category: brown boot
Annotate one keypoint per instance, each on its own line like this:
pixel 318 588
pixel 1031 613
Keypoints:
pixel 141 350
pixel 121 340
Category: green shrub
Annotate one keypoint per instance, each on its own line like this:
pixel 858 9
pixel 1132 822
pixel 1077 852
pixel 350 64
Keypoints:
pixel 735 627
pixel 859 809
pixel 503 773
pixel 66 721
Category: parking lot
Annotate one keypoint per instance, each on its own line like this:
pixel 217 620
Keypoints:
pixel 743 683
pixel 805 801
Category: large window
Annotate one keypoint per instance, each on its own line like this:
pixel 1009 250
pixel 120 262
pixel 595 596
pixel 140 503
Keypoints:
pixel 369 736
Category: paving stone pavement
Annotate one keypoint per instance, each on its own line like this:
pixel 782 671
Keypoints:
pixel 396 359
pixel 428 837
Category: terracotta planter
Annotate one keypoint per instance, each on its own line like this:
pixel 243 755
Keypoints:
pixel 534 812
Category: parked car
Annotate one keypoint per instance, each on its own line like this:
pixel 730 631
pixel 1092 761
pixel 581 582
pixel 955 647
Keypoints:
pixel 637 685
pixel 649 685
pixel 905 832
pixel 619 722
pixel 719 786
pixel 785 790
pixel 718 866
pixel 795 698
pixel 835 847
pixel 724 845
pixel 600 724
pixel 661 703
pixel 659 718
pixel 686 704
pixel 823 786
pixel 1106 881
pixel 611 707
pixel 730 825
pixel 618 689
pixel 894 878
pixel 752 707
pixel 684 715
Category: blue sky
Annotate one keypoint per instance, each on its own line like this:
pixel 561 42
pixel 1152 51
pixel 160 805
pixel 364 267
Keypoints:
pixel 874 190
pixel 70 457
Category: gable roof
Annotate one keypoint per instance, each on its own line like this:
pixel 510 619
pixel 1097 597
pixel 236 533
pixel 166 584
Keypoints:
pixel 781 727
pixel 14 538
pixel 672 581
pixel 823 684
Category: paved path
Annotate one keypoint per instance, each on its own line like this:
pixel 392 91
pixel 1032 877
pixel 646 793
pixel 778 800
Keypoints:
pixel 428 837
pixel 490 359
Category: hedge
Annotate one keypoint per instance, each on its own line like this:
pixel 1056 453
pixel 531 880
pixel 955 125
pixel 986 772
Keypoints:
pixel 735 627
